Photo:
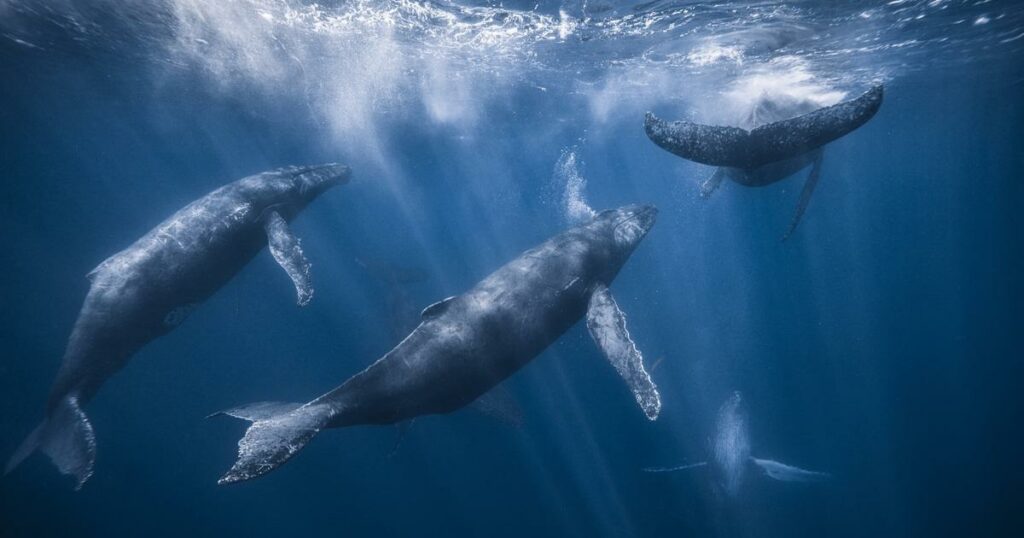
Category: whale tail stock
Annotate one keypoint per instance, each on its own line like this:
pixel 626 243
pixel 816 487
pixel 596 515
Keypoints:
pixel 66 436
pixel 278 431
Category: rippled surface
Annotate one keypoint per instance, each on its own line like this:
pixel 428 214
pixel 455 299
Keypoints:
pixel 451 59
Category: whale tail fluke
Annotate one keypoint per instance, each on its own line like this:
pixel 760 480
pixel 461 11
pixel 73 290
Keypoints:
pixel 66 436
pixel 734 147
pixel 278 431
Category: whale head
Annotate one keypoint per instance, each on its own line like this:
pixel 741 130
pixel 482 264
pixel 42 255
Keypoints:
pixel 613 235
pixel 288 190
pixel 627 225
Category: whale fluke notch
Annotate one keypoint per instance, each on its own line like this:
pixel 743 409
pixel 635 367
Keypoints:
pixel 734 147
pixel 287 250
pixel 607 325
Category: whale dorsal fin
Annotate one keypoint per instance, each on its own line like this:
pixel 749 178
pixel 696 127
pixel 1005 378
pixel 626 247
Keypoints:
pixel 437 308
pixel 287 250
pixel 607 325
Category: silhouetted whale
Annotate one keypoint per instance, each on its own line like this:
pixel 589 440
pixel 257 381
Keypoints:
pixel 768 152
pixel 729 454
pixel 149 288
pixel 467 344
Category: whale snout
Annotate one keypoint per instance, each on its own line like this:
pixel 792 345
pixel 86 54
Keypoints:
pixel 643 216
pixel 631 223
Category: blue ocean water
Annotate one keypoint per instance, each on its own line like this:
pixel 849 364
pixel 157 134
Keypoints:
pixel 882 343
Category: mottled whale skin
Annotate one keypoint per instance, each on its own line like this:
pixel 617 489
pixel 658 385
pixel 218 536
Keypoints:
pixel 729 458
pixel 768 152
pixel 467 344
pixel 149 288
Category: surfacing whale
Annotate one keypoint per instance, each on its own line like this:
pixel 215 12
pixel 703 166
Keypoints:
pixel 729 459
pixel 776 146
pixel 467 344
pixel 149 288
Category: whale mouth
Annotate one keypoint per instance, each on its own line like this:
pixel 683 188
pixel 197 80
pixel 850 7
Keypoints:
pixel 642 216
pixel 634 223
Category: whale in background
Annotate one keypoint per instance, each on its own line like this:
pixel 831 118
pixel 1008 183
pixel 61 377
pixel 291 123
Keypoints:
pixel 729 458
pixel 466 345
pixel 149 288
pixel 779 138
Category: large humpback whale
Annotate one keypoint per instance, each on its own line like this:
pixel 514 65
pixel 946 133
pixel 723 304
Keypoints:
pixel 149 288
pixel 467 344
pixel 776 146
pixel 730 460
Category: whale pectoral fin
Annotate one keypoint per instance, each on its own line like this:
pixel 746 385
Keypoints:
pixel 711 184
pixel 402 431
pixel 499 404
pixel 676 468
pixel 607 326
pixel 788 473
pixel 805 196
pixel 287 250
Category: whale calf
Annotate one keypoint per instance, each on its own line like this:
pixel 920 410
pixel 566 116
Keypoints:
pixel 730 460
pixel 769 151
pixel 149 288
pixel 467 344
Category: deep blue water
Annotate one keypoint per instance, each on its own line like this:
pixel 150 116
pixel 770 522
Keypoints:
pixel 882 343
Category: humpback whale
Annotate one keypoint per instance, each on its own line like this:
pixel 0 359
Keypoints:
pixel 730 459
pixel 467 344
pixel 149 288
pixel 770 150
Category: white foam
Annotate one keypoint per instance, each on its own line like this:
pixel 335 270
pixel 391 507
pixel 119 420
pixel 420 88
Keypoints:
pixel 574 202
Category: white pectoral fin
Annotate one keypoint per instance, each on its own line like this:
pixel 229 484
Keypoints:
pixel 711 184
pixel 805 196
pixel 287 250
pixel 788 473
pixel 676 468
pixel 607 325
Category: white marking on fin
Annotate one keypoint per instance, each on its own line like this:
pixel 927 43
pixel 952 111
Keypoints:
pixel 287 250
pixel 607 326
